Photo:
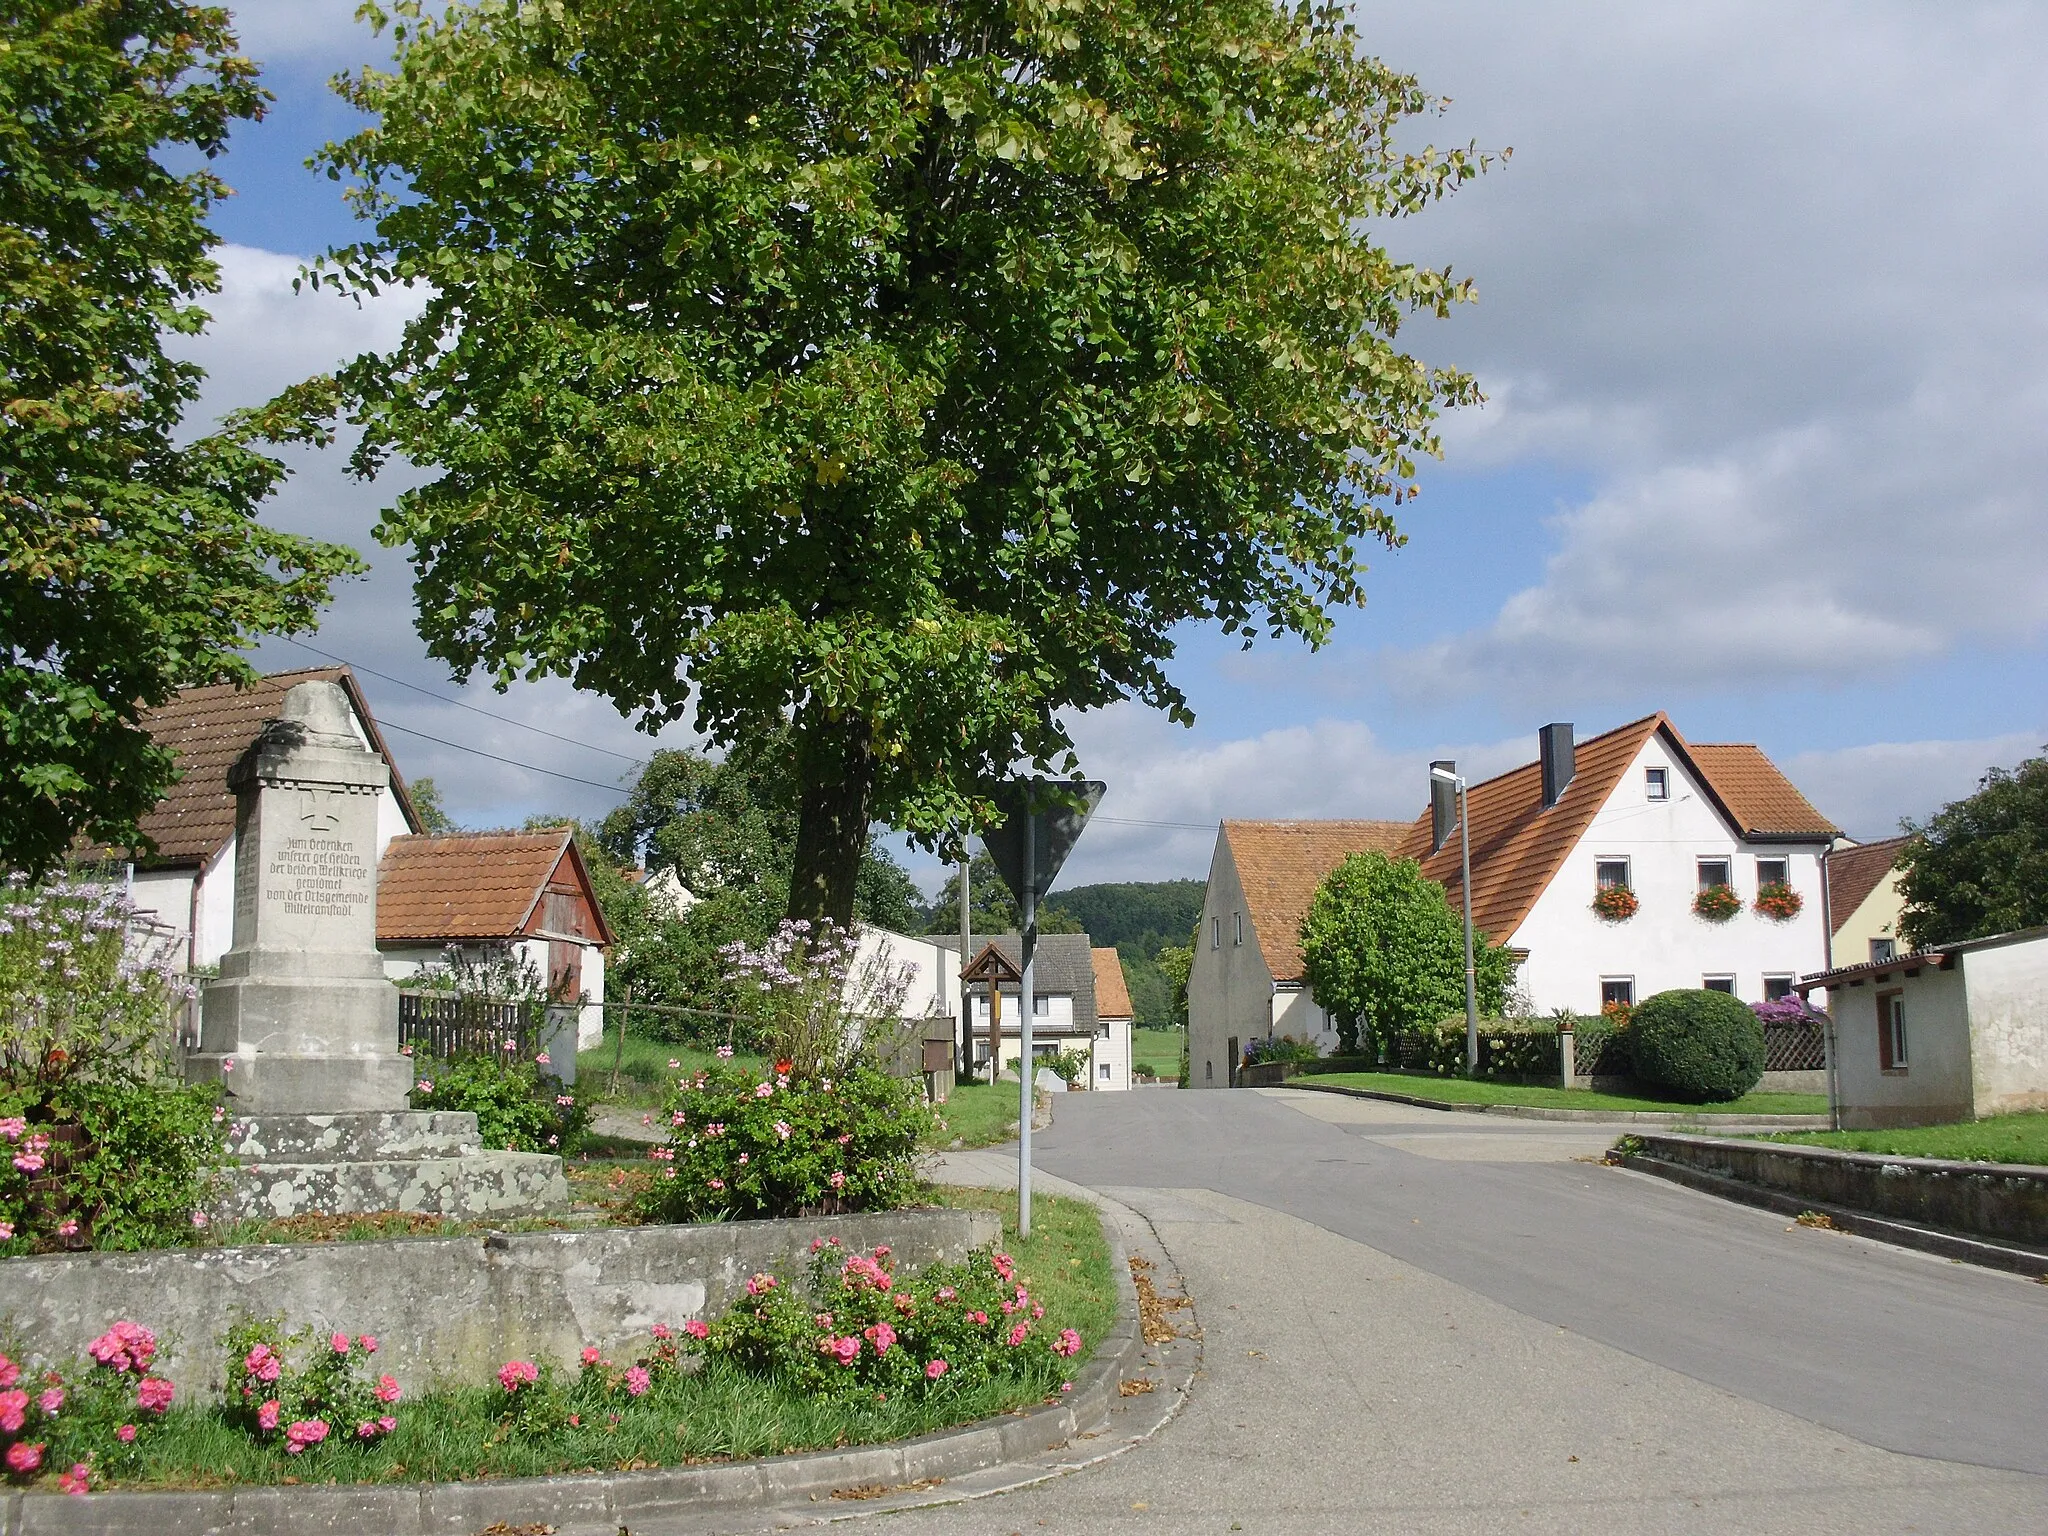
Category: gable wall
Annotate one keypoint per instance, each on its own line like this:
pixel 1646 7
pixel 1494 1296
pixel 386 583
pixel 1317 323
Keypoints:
pixel 1664 945
pixel 1230 990
pixel 1875 917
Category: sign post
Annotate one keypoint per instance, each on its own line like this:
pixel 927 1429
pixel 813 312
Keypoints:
pixel 1040 827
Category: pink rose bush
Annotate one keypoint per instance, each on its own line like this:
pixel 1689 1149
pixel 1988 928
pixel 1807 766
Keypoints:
pixel 299 1391
pixel 853 1328
pixel 87 1421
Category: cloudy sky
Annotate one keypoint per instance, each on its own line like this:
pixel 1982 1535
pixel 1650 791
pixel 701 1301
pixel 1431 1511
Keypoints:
pixel 1764 330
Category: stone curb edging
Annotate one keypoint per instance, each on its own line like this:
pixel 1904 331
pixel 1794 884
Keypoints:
pixel 1947 1245
pixel 613 1501
pixel 1581 1116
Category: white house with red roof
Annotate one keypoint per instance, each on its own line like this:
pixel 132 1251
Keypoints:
pixel 1707 861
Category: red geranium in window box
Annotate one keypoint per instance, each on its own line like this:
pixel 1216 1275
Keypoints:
pixel 1716 903
pixel 1778 901
pixel 1616 903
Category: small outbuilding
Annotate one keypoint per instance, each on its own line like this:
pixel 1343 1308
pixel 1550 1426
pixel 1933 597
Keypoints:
pixel 1953 1032
pixel 526 892
pixel 1109 1068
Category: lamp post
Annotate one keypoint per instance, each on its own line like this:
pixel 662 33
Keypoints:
pixel 1465 884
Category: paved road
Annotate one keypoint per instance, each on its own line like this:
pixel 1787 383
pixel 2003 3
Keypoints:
pixel 1897 1349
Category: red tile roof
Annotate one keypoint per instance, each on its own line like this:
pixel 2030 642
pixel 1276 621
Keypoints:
pixel 209 728
pixel 1760 799
pixel 1853 873
pixel 1280 864
pixel 477 885
pixel 1112 997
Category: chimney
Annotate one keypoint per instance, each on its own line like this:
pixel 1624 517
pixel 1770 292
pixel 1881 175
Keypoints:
pixel 1559 762
pixel 1443 805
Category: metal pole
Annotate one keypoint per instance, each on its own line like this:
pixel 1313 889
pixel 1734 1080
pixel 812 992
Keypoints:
pixel 1025 1005
pixel 1471 974
pixel 966 1063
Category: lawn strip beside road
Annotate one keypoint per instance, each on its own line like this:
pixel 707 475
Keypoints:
pixel 1998 1139
pixel 976 1115
pixel 1429 1090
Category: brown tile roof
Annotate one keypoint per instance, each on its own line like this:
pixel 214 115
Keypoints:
pixel 1517 845
pixel 209 728
pixel 1112 997
pixel 1853 873
pixel 474 885
pixel 1280 864
pixel 1760 800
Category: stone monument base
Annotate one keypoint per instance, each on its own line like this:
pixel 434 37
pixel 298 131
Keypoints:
pixel 427 1161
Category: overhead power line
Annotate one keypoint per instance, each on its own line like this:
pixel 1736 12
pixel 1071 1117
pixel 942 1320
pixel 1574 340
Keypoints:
pixel 510 762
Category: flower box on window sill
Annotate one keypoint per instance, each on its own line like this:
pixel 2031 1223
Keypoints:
pixel 1716 903
pixel 1779 902
pixel 1616 903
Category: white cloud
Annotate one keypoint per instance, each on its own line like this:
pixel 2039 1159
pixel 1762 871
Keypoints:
pixel 1770 273
pixel 321 32
pixel 1867 790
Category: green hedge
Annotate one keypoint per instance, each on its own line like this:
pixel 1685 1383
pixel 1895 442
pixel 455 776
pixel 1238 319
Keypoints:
pixel 1706 1047
pixel 1507 1048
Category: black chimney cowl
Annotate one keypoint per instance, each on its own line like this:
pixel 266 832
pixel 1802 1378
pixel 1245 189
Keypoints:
pixel 1560 762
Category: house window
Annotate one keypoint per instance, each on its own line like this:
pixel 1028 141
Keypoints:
pixel 1882 950
pixel 1609 873
pixel 1657 783
pixel 1240 928
pixel 1215 933
pixel 1041 1005
pixel 1777 988
pixel 1891 1031
pixel 1618 989
pixel 1102 1071
pixel 1714 872
pixel 1773 871
pixel 1208 1071
pixel 1719 984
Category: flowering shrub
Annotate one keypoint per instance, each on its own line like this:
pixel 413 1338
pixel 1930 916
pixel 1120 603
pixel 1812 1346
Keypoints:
pixel 519 1105
pixel 1784 1010
pixel 1280 1048
pixel 301 1391
pixel 851 1328
pixel 100 1145
pixel 1716 903
pixel 91 1422
pixel 812 1006
pixel 745 1146
pixel 1779 902
pixel 1507 1048
pixel 1616 903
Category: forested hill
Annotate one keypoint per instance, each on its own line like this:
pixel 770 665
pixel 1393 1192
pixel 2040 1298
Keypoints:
pixel 1137 919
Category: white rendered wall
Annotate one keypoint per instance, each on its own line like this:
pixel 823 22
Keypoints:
pixel 1876 917
pixel 2008 998
pixel 934 985
pixel 1934 1085
pixel 165 897
pixel 1112 1051
pixel 1296 1013
pixel 1664 946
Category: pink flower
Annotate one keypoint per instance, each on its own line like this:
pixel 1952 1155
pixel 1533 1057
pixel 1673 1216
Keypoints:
pixel 837 1180
pixel 979 1319
pixel 6 1230
pixel 13 1127
pixel 387 1389
pixel 27 1162
pixel 1017 1334
pixel 782 1129
pixel 674 1065
pixel 715 1183
pixel 760 1285
pixel 23 1457
pixel 262 1363
pixel 765 1091
pixel 946 1293
pixel 369 1343
pixel 1066 1386
pixel 386 1423
pixel 10 1373
pixel 124 1347
pixel 846 1350
pixel 304 1433
pixel 743 1159
pixel 426 1085
pixel 13 1411
pixel 125 1434
pixel 266 1416
pixel 338 1343
pixel 227 1064
pixel 542 1059
pixel 696 1329
pixel 154 1395
pixel 514 1374
pixel 51 1400
pixel 934 1369
pixel 367 1430
pixel 881 1335
pixel 198 1219
pixel 68 1227
pixel 663 1332
pixel 843 1140
pixel 637 1380
pixel 1068 1343
pixel 725 1053
pixel 591 1355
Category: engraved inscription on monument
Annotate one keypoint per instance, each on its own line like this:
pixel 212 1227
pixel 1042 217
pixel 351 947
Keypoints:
pixel 319 877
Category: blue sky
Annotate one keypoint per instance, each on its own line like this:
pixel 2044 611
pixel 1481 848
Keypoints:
pixel 1764 329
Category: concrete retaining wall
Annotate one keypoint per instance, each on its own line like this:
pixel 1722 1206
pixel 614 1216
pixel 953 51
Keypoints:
pixel 2006 1202
pixel 443 1308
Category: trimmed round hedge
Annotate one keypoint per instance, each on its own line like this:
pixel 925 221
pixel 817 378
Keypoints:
pixel 1703 1047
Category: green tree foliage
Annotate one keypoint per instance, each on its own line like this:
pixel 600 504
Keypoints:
pixel 1175 962
pixel 1980 865
pixel 1141 920
pixel 426 799
pixel 906 372
pixel 131 564
pixel 1384 951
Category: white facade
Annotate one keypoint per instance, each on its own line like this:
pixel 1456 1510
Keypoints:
pixel 1573 954
pixel 1109 1061
pixel 934 990
pixel 206 927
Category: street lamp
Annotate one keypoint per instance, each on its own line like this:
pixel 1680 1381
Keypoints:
pixel 1446 776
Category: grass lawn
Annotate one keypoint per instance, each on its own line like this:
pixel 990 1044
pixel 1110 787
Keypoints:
pixel 1455 1090
pixel 1156 1051
pixel 2000 1139
pixel 977 1115
pixel 715 1414
pixel 644 1071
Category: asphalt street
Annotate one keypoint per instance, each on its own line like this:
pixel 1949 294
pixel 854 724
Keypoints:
pixel 1422 1322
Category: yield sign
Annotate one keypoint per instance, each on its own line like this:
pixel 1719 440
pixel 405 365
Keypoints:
pixel 1030 809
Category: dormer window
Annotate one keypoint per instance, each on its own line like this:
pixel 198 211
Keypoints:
pixel 1657 783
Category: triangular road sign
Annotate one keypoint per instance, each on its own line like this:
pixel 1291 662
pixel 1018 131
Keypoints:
pixel 1058 827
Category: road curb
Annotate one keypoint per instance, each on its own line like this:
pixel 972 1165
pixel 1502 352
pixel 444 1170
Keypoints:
pixel 971 1460
pixel 1576 1116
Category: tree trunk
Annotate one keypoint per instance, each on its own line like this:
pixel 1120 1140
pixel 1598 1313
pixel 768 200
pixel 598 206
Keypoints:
pixel 835 769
